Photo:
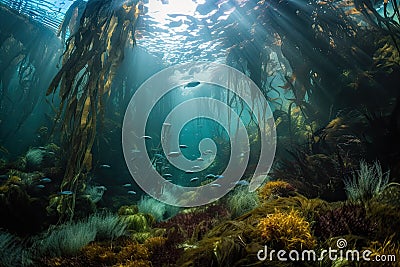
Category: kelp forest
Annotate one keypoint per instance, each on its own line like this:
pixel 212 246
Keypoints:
pixel 330 71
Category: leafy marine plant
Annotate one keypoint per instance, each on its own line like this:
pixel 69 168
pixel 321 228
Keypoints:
pixel 286 230
pixel 368 182
pixel 93 52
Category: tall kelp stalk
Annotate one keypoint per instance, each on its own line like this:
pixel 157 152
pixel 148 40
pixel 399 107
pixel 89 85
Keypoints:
pixel 92 56
pixel 27 50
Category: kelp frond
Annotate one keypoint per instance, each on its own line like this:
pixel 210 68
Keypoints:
pixel 90 60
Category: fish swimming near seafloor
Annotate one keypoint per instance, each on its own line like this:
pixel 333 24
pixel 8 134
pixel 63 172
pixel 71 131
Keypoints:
pixel 242 182
pixel 174 154
pixel 66 193
pixel 105 166
pixel 45 180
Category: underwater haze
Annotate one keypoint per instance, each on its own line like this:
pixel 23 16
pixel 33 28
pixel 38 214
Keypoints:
pixel 199 133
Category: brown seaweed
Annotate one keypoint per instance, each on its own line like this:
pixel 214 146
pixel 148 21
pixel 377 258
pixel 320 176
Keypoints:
pixel 90 60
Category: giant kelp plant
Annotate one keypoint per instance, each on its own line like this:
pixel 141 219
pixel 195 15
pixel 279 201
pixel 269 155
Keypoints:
pixel 90 61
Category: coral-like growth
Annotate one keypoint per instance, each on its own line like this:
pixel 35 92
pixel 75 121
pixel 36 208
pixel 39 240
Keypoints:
pixel 128 210
pixel 12 252
pixel 195 224
pixel 286 230
pixel 123 252
pixel 344 220
pixel 159 210
pixel 369 182
pixel 275 189
pixel 241 201
pixel 138 222
pixel 70 238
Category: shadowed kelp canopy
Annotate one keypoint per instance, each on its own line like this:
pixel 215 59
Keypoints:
pixel 91 58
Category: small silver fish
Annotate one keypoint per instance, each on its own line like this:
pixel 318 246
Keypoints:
pixel 147 137
pixel 105 166
pixel 215 185
pixel 241 182
pixel 166 124
pixel 200 159
pixel 45 180
pixel 131 192
pixel 189 171
pixel 127 185
pixel 208 152
pixel 194 179
pixel 191 84
pixel 174 154
pixel 196 167
pixel 167 175
pixel 183 146
pixel 219 176
pixel 40 186
pixel 208 176
pixel 66 193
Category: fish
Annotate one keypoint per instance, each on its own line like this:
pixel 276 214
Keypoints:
pixel 66 193
pixel 241 182
pixel 183 146
pixel 196 167
pixel 45 180
pixel 189 171
pixel 166 124
pixel 135 151
pixel 131 192
pixel 219 176
pixel 194 179
pixel 127 185
pixel 208 176
pixel 215 185
pixel 40 186
pixel 51 153
pixel 200 159
pixel 208 152
pixel 174 154
pixel 147 137
pixel 191 84
pixel 105 166
pixel 167 175
pixel 158 155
